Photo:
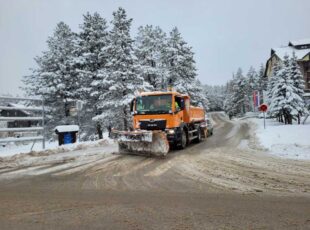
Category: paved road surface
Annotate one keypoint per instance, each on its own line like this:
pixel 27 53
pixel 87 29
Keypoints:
pixel 226 182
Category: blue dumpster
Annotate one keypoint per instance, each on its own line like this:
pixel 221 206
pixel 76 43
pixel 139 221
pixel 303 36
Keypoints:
pixel 66 134
pixel 68 138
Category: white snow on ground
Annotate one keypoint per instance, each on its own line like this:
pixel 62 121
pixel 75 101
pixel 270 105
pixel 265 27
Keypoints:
pixel 12 149
pixel 62 160
pixel 288 141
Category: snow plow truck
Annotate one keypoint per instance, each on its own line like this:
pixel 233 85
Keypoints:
pixel 161 120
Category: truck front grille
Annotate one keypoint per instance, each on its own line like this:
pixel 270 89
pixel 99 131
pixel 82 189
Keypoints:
pixel 151 124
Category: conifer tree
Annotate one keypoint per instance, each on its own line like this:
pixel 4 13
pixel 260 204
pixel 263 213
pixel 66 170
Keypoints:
pixel 262 83
pixel 228 104
pixel 299 85
pixel 252 80
pixel 122 79
pixel 150 45
pixel 180 62
pixel 239 92
pixel 285 101
pixel 54 79
pixel 90 65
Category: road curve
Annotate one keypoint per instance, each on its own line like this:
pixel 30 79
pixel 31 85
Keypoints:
pixel 213 184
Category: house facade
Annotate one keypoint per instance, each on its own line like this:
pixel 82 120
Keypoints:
pixel 17 113
pixel 301 48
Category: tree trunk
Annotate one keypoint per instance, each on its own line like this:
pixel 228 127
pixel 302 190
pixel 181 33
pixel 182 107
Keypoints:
pixel 298 118
pixel 99 131
pixel 281 118
pixel 290 119
pixel 125 118
pixel 285 119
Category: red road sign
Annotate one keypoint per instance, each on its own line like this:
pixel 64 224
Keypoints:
pixel 263 107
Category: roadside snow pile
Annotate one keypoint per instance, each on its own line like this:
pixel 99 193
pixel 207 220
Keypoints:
pixel 288 141
pixel 64 160
pixel 12 149
pixel 5 155
pixel 51 147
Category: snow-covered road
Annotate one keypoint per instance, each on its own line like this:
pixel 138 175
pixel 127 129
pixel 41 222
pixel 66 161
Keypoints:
pixel 231 164
pixel 231 159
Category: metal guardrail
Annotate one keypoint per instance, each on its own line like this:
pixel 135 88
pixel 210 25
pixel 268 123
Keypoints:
pixel 24 129
pixel 20 139
pixel 21 108
pixel 21 129
pixel 20 98
pixel 21 118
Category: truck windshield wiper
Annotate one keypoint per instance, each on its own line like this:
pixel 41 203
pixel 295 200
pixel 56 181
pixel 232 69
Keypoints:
pixel 153 112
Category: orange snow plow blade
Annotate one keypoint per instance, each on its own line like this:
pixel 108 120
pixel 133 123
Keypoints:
pixel 141 142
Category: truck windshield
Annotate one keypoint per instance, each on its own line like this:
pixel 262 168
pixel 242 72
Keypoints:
pixel 156 104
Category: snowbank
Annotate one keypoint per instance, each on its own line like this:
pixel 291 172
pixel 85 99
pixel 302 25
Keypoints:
pixel 288 141
pixel 51 147
pixel 63 160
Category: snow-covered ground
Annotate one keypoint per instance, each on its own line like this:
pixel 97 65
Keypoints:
pixel 63 160
pixel 288 141
pixel 12 149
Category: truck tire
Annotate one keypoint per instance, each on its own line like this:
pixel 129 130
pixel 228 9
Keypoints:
pixel 183 141
pixel 198 139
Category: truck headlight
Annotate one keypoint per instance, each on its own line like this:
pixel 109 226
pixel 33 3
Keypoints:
pixel 170 131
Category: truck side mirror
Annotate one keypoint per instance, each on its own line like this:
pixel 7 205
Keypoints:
pixel 132 105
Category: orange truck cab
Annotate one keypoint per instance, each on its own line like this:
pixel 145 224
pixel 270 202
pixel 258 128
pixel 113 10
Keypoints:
pixel 172 113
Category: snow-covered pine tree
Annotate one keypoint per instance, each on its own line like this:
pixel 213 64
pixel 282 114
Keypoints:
pixel 216 96
pixel 54 79
pixel 229 106
pixel 285 100
pixel 198 95
pixel 90 67
pixel 298 83
pixel 180 62
pixel 122 79
pixel 272 81
pixel 239 95
pixel 275 92
pixel 252 80
pixel 262 83
pixel 150 43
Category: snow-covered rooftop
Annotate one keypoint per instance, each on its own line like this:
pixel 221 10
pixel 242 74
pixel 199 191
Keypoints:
pixel 67 128
pixel 19 106
pixel 300 42
pixel 282 51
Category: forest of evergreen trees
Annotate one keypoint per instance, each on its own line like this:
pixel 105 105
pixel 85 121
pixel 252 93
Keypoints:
pixel 103 66
pixel 283 91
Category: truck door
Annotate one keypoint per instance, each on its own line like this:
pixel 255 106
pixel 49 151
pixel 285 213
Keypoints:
pixel 186 115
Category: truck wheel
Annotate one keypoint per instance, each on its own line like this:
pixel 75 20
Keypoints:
pixel 198 139
pixel 183 141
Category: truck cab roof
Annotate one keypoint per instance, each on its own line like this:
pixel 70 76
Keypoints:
pixel 155 93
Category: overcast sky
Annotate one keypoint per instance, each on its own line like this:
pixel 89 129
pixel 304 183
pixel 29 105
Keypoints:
pixel 224 34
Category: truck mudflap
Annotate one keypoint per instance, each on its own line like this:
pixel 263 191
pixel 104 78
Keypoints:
pixel 141 142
